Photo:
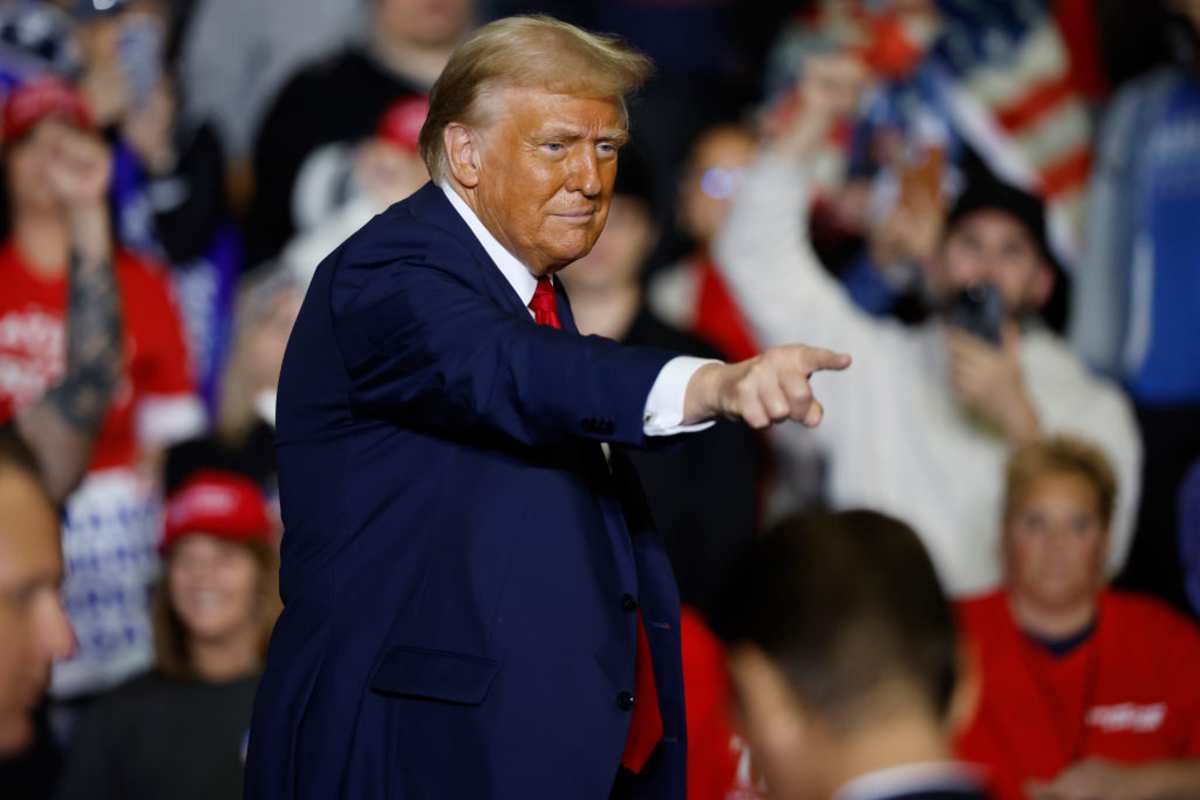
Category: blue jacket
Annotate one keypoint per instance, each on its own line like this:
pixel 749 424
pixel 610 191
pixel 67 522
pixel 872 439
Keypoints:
pixel 461 568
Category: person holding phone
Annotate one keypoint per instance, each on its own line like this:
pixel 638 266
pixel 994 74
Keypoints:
pixel 924 428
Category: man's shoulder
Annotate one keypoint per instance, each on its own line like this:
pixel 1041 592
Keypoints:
pixel 411 230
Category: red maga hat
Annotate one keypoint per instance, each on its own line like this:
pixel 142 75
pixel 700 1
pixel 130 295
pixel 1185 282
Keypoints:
pixel 218 504
pixel 401 123
pixel 40 98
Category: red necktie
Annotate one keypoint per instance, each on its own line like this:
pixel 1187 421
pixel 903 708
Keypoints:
pixel 545 309
pixel 646 728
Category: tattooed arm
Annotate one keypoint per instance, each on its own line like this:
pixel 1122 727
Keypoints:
pixel 62 426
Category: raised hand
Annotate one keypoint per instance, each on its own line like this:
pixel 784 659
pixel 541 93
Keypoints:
pixel 991 382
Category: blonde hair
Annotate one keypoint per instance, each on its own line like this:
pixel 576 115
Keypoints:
pixel 1060 455
pixel 526 51
pixel 170 636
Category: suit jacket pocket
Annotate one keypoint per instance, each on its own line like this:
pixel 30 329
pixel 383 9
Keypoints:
pixel 435 675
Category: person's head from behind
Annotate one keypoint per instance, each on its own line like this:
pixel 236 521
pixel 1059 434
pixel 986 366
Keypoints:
pixel 525 123
pixel 34 631
pixel 219 594
pixel 996 234
pixel 421 23
pixel 616 260
pixel 713 172
pixel 1058 506
pixel 40 120
pixel 842 644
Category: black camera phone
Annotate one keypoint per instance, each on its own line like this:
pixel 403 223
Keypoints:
pixel 980 311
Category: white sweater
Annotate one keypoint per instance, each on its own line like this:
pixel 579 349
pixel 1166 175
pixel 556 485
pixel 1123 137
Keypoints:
pixel 896 437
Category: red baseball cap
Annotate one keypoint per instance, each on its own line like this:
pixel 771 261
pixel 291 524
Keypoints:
pixel 40 98
pixel 401 123
pixel 218 504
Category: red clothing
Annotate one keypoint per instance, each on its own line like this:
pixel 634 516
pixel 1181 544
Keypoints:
pixel 718 761
pixel 154 399
pixel 718 320
pixel 1129 693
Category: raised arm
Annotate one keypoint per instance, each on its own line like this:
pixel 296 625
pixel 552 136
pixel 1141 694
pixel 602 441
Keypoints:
pixel 61 427
pixel 764 249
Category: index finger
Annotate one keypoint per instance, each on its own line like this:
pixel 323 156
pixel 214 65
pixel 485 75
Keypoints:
pixel 818 359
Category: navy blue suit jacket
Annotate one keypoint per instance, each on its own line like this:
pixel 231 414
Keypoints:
pixel 461 568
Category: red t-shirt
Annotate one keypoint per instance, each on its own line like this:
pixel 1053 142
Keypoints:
pixel 1129 693
pixel 153 404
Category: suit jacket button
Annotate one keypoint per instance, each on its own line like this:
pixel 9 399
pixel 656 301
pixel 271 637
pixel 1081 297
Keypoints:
pixel 625 701
pixel 628 603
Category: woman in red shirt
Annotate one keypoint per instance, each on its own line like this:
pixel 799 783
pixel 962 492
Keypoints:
pixel 1086 692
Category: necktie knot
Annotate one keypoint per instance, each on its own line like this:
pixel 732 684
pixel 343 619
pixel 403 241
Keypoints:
pixel 544 304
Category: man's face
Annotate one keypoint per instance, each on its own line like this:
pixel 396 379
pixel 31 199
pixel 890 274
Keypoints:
pixel 34 631
pixel 711 178
pixel 1055 544
pixel 990 246
pixel 617 258
pixel 428 23
pixel 547 166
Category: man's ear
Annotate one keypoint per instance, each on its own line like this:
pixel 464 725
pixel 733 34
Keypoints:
pixel 1043 285
pixel 770 714
pixel 462 152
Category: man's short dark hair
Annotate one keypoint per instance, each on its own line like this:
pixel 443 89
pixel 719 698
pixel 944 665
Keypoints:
pixel 844 604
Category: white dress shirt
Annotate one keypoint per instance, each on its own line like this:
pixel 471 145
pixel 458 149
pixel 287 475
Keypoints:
pixel 663 415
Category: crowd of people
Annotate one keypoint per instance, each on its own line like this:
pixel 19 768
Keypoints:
pixel 979 576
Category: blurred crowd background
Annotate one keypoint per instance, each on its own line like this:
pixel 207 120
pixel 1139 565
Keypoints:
pixel 996 210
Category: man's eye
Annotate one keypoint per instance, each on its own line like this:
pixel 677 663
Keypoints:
pixel 553 147
pixel 606 149
pixel 19 598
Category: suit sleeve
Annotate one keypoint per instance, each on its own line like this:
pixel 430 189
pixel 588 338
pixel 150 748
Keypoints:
pixel 422 346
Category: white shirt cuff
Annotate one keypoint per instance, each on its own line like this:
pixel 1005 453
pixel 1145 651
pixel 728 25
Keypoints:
pixel 664 406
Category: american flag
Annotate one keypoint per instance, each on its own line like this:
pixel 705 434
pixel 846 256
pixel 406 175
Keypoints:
pixel 996 75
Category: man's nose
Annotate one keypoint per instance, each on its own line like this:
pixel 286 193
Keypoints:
pixel 584 174
pixel 58 638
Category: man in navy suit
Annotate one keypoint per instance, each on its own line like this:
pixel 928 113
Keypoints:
pixel 475 603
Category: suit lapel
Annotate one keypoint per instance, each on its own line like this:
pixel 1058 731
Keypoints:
pixel 565 317
pixel 430 205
